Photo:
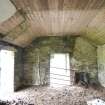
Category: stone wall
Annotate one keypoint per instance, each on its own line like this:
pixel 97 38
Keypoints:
pixel 37 57
pixel 83 57
pixel 101 64
pixel 18 63
pixel 18 70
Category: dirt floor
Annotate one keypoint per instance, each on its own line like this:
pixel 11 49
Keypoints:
pixel 50 96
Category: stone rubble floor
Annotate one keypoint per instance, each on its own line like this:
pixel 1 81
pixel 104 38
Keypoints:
pixel 73 95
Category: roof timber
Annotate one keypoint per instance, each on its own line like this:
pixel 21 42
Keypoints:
pixel 36 18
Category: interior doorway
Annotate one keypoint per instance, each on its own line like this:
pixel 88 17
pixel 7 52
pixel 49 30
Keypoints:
pixel 6 71
pixel 59 70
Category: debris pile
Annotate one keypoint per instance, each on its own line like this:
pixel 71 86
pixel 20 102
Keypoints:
pixel 14 102
pixel 73 95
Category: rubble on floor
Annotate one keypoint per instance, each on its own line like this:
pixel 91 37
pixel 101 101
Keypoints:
pixel 14 102
pixel 62 96
pixel 96 102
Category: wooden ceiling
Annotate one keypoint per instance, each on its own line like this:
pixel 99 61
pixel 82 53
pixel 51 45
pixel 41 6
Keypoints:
pixel 54 17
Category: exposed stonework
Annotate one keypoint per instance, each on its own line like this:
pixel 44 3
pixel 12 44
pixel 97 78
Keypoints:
pixel 37 56
pixel 18 72
pixel 85 57
pixel 101 64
